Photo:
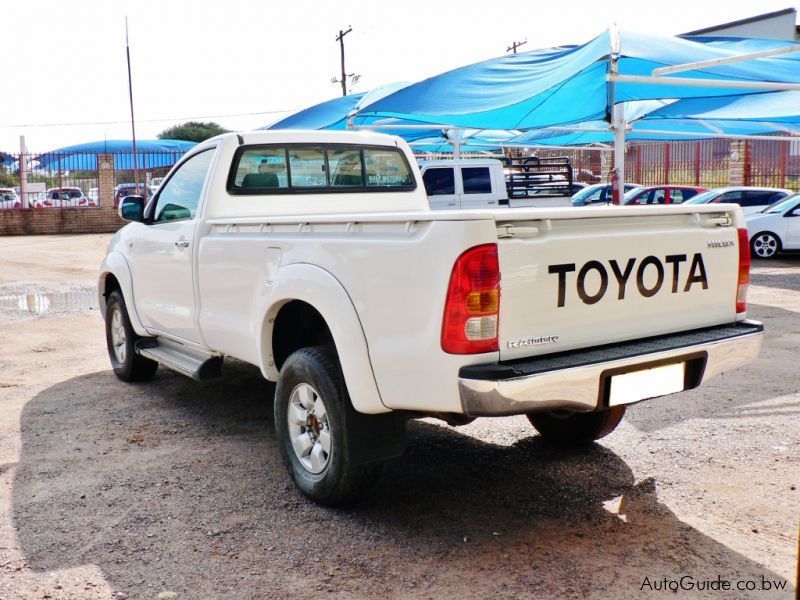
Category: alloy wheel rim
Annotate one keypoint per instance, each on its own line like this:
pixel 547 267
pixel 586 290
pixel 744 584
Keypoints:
pixel 765 246
pixel 118 337
pixel 309 429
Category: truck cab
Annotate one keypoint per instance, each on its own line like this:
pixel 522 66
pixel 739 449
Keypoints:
pixel 464 183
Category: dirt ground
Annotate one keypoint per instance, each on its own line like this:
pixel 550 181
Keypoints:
pixel 176 489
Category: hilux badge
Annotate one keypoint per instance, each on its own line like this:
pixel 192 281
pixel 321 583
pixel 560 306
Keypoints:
pixel 721 243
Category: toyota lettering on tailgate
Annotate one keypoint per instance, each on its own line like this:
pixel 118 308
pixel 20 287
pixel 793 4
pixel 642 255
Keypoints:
pixel 682 279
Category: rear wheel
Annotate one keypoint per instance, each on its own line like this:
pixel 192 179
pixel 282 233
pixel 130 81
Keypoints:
pixel 312 414
pixel 120 339
pixel 765 245
pixel 572 427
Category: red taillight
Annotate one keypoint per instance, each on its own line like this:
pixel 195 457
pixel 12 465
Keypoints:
pixel 472 307
pixel 744 271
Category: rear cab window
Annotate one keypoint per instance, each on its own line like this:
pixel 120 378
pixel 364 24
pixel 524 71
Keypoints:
pixel 318 168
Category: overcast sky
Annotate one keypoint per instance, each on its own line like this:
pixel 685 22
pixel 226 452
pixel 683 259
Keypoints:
pixel 245 63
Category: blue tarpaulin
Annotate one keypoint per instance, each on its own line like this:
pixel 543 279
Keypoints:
pixel 568 85
pixel 325 115
pixel 83 157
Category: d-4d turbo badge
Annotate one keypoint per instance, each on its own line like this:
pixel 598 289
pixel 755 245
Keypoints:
pixel 533 341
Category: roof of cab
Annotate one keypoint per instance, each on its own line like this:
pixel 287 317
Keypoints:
pixel 303 136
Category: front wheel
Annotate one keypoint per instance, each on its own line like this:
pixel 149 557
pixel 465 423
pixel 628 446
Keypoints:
pixel 120 339
pixel 574 427
pixel 765 245
pixel 312 411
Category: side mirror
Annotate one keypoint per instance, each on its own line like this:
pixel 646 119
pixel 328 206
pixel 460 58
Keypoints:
pixel 132 208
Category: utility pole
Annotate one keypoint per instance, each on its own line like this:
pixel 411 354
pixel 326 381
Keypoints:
pixel 513 47
pixel 340 39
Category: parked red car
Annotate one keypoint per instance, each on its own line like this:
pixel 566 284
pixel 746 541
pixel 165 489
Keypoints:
pixel 661 194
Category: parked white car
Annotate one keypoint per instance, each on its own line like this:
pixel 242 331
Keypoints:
pixel 9 198
pixel 751 199
pixel 64 197
pixel 776 229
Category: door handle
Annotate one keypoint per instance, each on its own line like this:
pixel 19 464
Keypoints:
pixel 182 243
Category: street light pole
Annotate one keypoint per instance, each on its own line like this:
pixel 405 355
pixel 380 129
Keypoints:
pixel 133 121
pixel 340 39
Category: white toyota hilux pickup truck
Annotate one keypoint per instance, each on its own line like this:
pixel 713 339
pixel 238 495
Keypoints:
pixel 314 256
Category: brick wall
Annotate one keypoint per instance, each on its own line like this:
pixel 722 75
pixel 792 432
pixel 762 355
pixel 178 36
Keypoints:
pixel 101 219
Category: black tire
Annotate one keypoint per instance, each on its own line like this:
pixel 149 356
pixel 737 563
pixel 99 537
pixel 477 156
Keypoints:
pixel 343 473
pixel 765 244
pixel 127 364
pixel 571 427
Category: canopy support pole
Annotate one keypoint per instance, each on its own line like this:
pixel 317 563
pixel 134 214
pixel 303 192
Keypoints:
pixel 697 82
pixel 619 149
pixel 23 173
pixel 702 64
pixel 456 143
pixel 616 117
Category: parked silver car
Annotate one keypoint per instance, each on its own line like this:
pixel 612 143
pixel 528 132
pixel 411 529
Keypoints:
pixel 751 199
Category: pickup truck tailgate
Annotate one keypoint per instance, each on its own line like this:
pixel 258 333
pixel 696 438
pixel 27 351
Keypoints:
pixel 570 283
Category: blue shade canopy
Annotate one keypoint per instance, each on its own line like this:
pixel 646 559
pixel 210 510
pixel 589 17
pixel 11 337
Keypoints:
pixel 331 114
pixel 568 85
pixel 83 157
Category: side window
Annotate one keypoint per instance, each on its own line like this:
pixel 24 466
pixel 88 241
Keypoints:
pixel 345 167
pixel 735 196
pixel 180 195
pixel 477 180
pixel 676 196
pixel 657 196
pixel 307 167
pixel 759 198
pixel 439 182
pixel 777 196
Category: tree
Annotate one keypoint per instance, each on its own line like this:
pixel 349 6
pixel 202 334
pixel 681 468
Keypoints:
pixel 192 131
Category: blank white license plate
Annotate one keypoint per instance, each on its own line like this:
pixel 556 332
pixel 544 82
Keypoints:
pixel 639 385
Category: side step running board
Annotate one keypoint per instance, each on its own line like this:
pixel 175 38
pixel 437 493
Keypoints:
pixel 189 362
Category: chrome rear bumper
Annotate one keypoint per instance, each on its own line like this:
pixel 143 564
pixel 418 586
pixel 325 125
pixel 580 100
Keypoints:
pixel 579 380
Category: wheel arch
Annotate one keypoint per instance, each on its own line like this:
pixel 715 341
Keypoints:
pixel 313 306
pixel 116 274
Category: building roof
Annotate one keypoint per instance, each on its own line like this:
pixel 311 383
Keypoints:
pixel 753 19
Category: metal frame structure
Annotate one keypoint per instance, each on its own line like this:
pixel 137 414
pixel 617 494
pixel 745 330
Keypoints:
pixel 616 113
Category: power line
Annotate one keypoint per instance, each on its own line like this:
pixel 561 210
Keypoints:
pixel 250 114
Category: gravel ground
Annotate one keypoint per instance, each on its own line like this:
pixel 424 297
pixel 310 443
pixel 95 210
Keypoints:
pixel 110 490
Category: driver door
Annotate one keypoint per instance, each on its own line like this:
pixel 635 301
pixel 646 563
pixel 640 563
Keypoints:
pixel 162 254
pixel 792 220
